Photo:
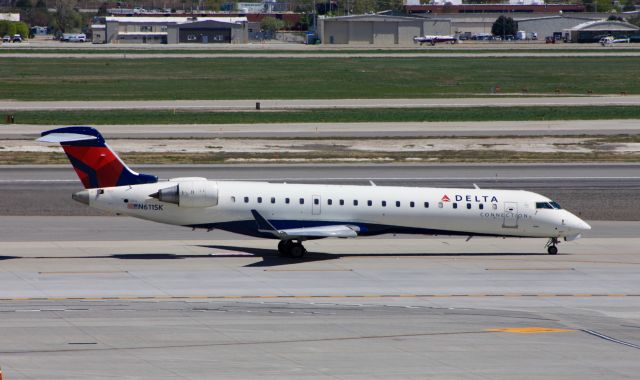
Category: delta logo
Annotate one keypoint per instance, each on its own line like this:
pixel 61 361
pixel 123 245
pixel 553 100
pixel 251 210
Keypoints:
pixel 445 198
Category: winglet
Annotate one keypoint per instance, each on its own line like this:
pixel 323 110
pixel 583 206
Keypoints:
pixel 263 224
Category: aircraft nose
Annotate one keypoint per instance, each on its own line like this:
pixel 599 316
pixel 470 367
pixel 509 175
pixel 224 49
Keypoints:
pixel 578 224
pixel 81 196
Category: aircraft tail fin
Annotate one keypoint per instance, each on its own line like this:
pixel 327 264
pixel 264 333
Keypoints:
pixel 94 162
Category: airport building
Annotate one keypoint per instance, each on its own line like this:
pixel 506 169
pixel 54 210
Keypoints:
pixel 547 26
pixel 593 31
pixel 378 30
pixel 171 30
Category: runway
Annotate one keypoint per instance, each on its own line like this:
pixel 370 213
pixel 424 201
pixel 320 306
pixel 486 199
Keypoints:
pixel 593 191
pixel 119 298
pixel 250 104
pixel 318 130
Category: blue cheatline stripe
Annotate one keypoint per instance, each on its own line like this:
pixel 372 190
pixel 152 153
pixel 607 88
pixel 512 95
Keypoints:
pixel 250 227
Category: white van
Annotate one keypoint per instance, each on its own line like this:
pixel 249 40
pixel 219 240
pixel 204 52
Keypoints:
pixel 81 37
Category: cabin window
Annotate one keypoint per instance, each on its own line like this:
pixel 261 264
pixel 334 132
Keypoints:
pixel 316 201
pixel 455 205
pixel 426 204
pixel 341 202
pixel 259 199
pixel 494 206
pixel 412 204
pixel 246 199
pixel 301 201
pixel 384 203
pixel 126 200
pixel 468 206
pixel 355 202
pixel 369 203
pixel 233 199
pixel 481 206
pixel 397 203
pixel 287 200
pixel 440 205
pixel 329 202
pixel 273 199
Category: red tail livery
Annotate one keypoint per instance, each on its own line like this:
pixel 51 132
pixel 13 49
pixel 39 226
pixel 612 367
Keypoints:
pixel 94 162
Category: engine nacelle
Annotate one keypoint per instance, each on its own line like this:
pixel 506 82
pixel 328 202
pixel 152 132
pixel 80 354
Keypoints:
pixel 190 194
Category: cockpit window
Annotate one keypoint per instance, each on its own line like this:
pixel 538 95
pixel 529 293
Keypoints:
pixel 540 205
pixel 556 205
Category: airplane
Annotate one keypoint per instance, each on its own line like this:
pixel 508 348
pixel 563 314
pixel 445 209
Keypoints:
pixel 435 39
pixel 294 213
pixel 610 40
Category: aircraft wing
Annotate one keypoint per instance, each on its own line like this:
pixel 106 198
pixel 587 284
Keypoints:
pixel 336 230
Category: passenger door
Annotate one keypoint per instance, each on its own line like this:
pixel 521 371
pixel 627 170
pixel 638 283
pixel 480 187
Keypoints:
pixel 510 215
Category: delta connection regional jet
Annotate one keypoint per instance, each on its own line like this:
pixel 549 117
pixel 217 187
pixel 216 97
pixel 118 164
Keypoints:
pixel 293 213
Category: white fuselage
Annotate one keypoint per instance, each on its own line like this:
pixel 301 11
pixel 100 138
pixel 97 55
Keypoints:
pixel 373 209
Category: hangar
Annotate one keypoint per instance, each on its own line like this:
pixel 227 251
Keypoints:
pixel 171 30
pixel 548 25
pixel 593 31
pixel 378 29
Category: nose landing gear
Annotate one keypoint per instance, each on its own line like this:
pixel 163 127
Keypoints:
pixel 289 248
pixel 551 246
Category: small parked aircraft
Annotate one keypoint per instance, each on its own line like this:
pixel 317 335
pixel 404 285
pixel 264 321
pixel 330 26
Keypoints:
pixel 435 39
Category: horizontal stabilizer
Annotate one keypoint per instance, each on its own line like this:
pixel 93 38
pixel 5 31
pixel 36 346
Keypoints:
pixel 65 137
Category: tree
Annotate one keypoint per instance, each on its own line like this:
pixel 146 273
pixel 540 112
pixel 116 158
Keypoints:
pixel 10 28
pixel 66 17
pixel 269 25
pixel 102 10
pixel 504 26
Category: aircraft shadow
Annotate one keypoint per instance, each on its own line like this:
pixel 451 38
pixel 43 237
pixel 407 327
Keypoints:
pixel 270 256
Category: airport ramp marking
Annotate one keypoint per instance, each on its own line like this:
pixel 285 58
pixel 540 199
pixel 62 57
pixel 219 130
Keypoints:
pixel 299 296
pixel 530 330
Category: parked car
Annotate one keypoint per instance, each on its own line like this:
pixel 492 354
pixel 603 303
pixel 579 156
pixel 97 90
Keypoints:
pixel 6 38
pixel 81 37
pixel 16 38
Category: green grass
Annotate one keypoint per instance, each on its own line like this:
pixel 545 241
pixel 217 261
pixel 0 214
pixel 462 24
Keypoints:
pixel 311 50
pixel 325 115
pixel 474 156
pixel 304 78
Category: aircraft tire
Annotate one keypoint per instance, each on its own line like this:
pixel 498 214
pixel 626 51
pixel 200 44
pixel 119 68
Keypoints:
pixel 297 251
pixel 552 250
pixel 284 248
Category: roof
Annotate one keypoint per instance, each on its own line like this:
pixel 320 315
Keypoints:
pixel 373 17
pixel 173 20
pixel 605 25
pixel 570 17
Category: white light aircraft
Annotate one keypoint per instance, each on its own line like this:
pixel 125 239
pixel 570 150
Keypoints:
pixel 435 39
pixel 610 40
pixel 293 213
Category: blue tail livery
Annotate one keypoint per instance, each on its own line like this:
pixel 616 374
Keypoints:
pixel 94 162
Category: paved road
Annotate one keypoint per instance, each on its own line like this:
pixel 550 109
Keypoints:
pixel 288 130
pixel 373 308
pixel 595 191
pixel 497 101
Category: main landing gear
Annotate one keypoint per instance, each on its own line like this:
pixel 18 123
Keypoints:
pixel 289 248
pixel 551 246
